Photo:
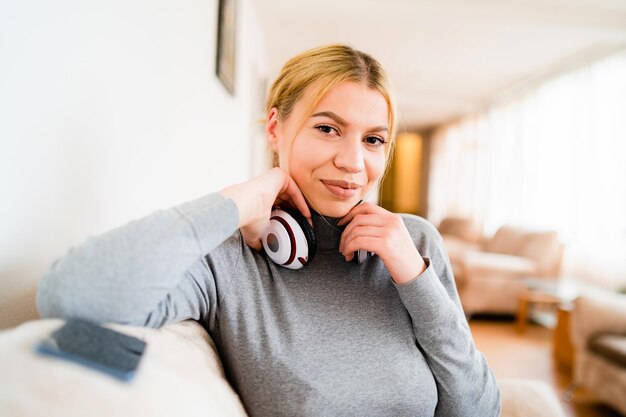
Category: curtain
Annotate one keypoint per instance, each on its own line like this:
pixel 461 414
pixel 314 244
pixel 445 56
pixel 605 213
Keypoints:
pixel 554 159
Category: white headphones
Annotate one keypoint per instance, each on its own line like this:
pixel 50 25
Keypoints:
pixel 289 240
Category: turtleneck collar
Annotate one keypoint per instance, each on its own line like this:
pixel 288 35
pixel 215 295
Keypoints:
pixel 327 233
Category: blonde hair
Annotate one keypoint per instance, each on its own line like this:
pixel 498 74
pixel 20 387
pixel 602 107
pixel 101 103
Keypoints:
pixel 322 68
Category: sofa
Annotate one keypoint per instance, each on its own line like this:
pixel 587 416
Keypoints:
pixel 598 331
pixel 180 374
pixel 490 273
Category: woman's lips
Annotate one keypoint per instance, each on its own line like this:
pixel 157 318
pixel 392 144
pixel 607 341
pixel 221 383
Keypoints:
pixel 341 189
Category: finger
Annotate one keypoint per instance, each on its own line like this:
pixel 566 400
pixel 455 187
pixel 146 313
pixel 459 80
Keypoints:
pixel 294 197
pixel 367 243
pixel 353 212
pixel 298 200
pixel 368 219
pixel 363 208
pixel 361 231
pixel 361 220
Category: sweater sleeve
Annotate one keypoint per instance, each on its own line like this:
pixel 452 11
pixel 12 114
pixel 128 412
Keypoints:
pixel 465 383
pixel 148 272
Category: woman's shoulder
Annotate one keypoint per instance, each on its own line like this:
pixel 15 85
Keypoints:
pixel 231 248
pixel 423 232
pixel 418 224
pixel 429 243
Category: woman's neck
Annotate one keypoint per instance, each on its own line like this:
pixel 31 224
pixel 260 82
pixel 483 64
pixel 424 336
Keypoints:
pixel 327 233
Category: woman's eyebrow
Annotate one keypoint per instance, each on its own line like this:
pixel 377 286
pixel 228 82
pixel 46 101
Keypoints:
pixel 331 115
pixel 343 122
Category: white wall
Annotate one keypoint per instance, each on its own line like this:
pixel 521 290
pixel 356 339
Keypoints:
pixel 110 109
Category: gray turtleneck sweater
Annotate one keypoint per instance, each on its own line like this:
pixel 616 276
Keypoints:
pixel 335 338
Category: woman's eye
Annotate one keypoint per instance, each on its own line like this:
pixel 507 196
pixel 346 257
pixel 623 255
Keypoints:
pixel 325 129
pixel 375 140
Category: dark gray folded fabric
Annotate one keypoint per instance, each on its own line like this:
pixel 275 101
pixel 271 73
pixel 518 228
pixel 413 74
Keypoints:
pixel 100 345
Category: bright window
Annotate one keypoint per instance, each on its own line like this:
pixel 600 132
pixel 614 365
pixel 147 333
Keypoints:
pixel 554 158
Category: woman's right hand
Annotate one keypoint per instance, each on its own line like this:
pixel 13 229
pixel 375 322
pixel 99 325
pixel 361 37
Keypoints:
pixel 256 197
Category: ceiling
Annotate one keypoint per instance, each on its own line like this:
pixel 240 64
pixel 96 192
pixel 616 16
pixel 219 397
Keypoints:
pixel 448 58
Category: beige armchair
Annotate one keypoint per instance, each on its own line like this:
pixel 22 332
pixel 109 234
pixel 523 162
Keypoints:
pixel 598 329
pixel 490 276
pixel 462 228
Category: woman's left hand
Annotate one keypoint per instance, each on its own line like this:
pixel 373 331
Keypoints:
pixel 374 229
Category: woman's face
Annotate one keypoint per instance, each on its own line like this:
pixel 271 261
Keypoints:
pixel 338 154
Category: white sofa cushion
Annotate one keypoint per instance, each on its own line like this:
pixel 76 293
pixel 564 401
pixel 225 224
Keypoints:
pixel 528 398
pixel 179 374
pixel 484 264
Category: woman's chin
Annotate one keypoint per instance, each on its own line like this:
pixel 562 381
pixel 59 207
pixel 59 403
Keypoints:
pixel 334 209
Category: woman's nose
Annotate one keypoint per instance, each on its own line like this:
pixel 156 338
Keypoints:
pixel 350 156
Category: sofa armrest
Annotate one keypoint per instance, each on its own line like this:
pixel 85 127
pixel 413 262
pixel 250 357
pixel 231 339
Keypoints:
pixel 600 312
pixel 179 374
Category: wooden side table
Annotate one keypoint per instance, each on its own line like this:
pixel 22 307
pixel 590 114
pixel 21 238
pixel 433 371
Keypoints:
pixel 527 299
pixel 562 347
pixel 542 291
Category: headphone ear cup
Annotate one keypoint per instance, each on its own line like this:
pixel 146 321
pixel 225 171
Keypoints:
pixel 289 240
pixel 307 229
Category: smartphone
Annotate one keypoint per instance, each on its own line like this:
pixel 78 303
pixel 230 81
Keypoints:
pixel 96 347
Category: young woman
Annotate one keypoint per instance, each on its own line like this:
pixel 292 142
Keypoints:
pixel 383 337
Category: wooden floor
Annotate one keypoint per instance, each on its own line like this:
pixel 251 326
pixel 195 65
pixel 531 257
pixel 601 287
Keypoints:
pixel 529 355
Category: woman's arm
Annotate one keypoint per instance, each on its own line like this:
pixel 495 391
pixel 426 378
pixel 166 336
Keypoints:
pixel 412 251
pixel 152 271
pixel 466 384
pixel 146 272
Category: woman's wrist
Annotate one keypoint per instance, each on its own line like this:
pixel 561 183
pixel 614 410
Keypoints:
pixel 247 203
pixel 404 273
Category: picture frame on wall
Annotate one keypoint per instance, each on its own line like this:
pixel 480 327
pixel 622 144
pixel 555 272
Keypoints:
pixel 225 59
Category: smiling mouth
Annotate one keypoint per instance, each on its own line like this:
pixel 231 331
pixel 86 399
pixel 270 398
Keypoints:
pixel 341 189
pixel 342 184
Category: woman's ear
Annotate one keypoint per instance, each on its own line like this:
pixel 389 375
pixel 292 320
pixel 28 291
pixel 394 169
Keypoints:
pixel 271 128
